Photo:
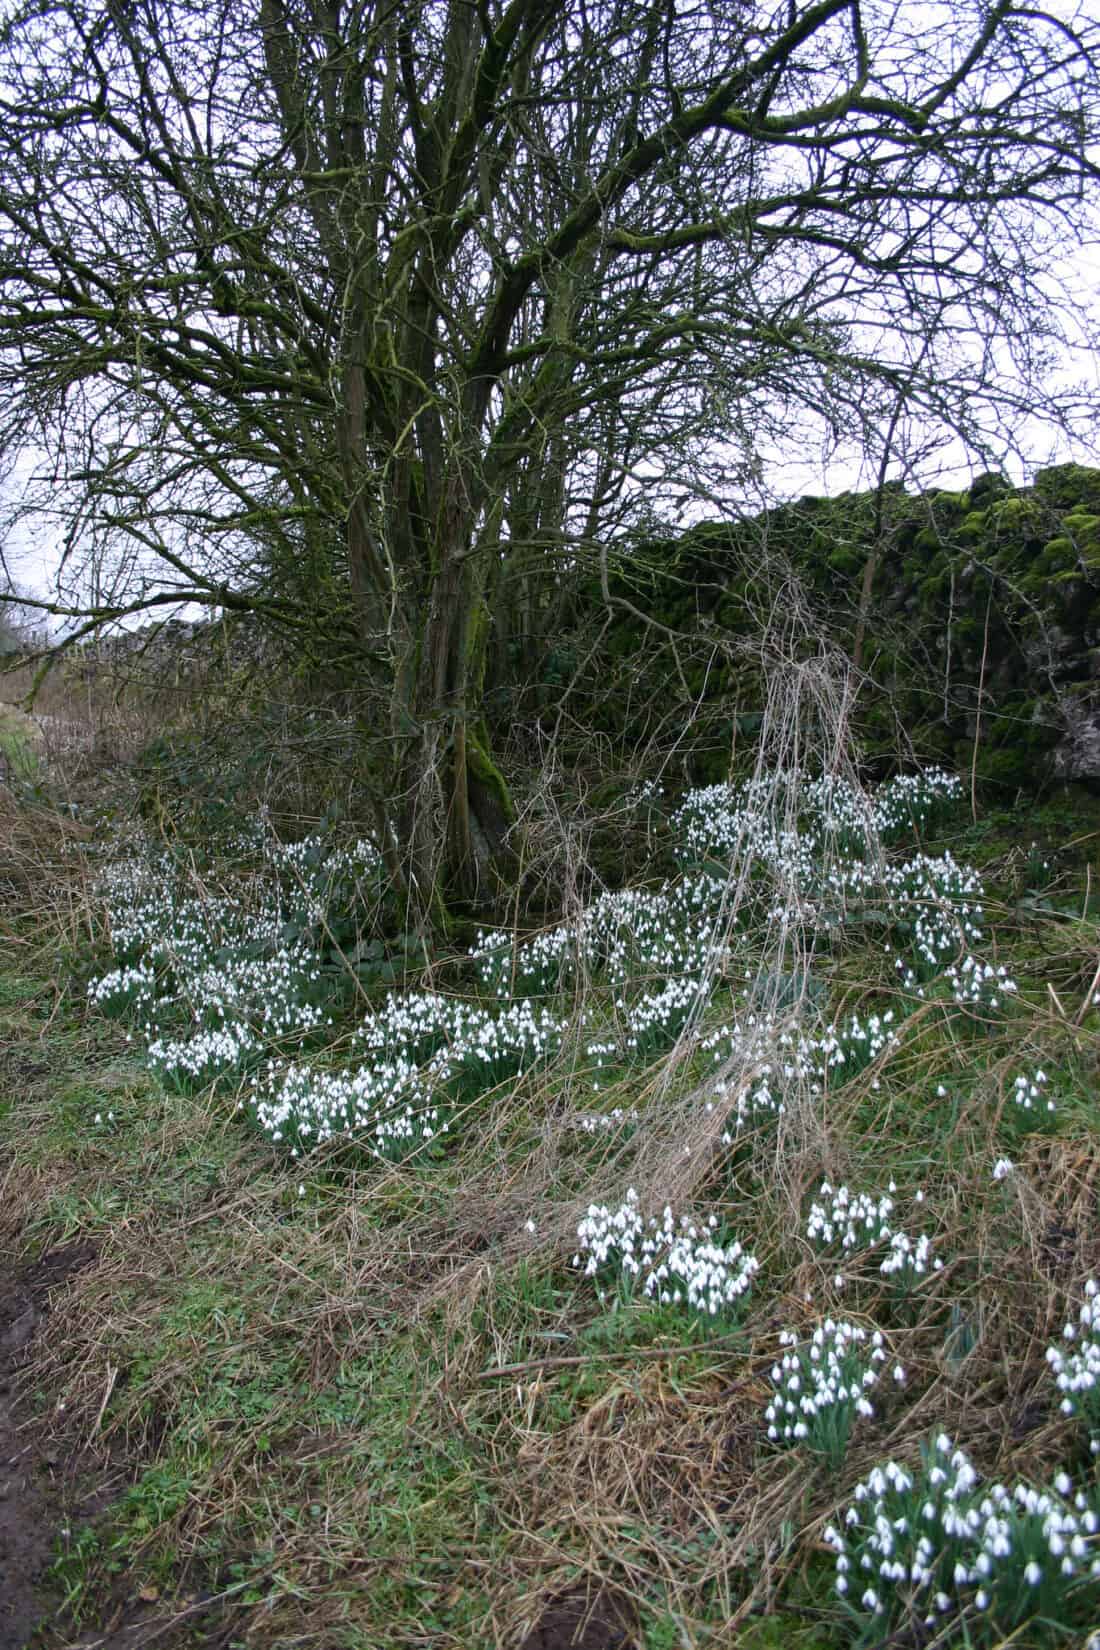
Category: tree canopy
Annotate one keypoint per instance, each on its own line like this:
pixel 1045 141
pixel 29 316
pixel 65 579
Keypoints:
pixel 371 317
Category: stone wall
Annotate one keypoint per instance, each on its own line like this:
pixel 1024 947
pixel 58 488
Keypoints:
pixel 983 624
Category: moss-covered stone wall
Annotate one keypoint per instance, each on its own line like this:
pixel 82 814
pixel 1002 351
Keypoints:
pixel 982 626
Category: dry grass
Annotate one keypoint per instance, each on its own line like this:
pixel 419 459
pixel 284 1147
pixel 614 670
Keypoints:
pixel 83 722
pixel 638 1468
pixel 300 1403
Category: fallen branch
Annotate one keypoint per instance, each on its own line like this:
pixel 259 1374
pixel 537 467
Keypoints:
pixel 571 1360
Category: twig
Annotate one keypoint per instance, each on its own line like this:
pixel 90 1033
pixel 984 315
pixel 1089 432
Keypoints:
pixel 112 1377
pixel 978 712
pixel 1084 1008
pixel 571 1360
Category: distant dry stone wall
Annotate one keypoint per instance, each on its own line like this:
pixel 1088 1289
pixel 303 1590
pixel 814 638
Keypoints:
pixel 983 621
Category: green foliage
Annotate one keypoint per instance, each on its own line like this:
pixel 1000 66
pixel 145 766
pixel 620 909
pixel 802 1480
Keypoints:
pixel 18 756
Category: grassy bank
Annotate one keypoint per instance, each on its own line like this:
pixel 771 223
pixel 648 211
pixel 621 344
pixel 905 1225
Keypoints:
pixel 365 1397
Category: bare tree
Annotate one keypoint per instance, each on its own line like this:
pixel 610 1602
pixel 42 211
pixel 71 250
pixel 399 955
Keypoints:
pixel 11 640
pixel 360 315
pixel 20 624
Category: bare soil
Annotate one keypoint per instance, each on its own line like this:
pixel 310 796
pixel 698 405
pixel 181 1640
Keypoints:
pixel 576 1621
pixel 32 1473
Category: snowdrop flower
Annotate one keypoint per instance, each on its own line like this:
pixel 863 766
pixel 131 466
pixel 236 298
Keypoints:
pixel 945 1523
pixel 1077 1372
pixel 821 1386
pixel 706 1276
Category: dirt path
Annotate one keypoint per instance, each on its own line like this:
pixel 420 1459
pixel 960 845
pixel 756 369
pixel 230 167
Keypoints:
pixel 31 1476
pixel 43 1488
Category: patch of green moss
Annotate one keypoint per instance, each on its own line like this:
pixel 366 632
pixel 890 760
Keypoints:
pixel 847 562
pixel 928 541
pixel 1069 488
pixel 1017 512
pixel 1057 555
pixel 973 527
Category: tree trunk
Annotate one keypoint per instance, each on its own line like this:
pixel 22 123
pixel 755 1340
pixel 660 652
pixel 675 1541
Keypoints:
pixel 453 805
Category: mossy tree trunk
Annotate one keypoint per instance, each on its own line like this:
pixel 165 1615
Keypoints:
pixel 450 809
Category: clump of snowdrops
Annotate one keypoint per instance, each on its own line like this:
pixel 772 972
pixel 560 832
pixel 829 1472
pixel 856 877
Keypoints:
pixel 667 1261
pixel 935 1547
pixel 213 974
pixel 220 981
pixel 822 1386
pixel 1075 1365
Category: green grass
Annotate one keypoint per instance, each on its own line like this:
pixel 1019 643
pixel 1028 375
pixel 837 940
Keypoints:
pixel 304 1416
pixel 18 736
pixel 229 1358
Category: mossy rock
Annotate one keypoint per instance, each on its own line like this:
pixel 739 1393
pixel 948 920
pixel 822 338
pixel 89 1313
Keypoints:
pixel 1058 553
pixel 988 486
pixel 1013 566
pixel 848 562
pixel 1070 488
pixel 1018 514
pixel 929 542
pixel 945 502
pixel 1084 531
pixel 1008 768
pixel 974 527
pixel 933 592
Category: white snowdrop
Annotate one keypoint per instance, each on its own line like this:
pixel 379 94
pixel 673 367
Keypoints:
pixel 1077 1373
pixel 704 1275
